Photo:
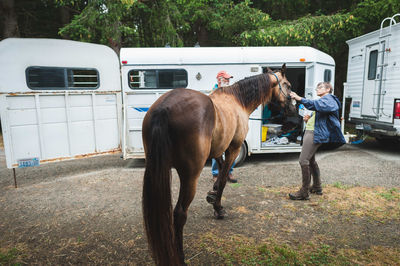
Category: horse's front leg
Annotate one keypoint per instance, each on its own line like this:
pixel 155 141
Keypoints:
pixel 214 197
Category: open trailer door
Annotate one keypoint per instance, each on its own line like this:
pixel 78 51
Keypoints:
pixel 59 100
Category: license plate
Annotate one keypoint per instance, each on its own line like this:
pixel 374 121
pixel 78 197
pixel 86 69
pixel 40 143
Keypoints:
pixel 28 162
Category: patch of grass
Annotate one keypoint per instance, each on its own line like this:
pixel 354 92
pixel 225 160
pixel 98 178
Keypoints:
pixel 235 185
pixel 9 257
pixel 378 203
pixel 340 185
pixel 243 251
pixel 240 250
pixel 391 194
pixel 261 189
pixel 321 256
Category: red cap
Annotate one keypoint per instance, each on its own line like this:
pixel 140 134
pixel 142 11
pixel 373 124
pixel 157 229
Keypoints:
pixel 224 74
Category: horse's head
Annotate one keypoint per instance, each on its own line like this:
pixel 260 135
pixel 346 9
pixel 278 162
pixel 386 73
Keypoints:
pixel 281 89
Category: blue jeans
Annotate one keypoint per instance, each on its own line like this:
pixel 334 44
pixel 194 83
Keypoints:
pixel 214 167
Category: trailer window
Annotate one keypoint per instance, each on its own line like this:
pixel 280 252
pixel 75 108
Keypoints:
pixel 327 75
pixel 158 79
pixel 57 78
pixel 373 60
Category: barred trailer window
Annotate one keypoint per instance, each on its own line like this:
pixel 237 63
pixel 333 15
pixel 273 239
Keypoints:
pixel 58 78
pixel 158 79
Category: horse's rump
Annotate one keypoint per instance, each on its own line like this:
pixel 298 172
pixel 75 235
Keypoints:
pixel 190 120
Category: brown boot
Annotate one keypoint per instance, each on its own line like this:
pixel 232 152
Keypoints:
pixel 316 188
pixel 302 194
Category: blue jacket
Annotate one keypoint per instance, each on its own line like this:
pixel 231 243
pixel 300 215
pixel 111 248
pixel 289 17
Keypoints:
pixel 327 123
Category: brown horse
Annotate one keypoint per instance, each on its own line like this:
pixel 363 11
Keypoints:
pixel 183 129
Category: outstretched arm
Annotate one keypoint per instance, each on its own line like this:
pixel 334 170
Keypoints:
pixel 324 105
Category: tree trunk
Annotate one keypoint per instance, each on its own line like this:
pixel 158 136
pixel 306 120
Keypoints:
pixel 10 22
pixel 65 18
pixel 202 35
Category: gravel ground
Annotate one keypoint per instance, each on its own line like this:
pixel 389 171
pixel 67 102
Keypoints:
pixel 89 211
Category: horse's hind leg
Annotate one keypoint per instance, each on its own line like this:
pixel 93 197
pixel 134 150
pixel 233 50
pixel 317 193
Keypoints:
pixel 187 192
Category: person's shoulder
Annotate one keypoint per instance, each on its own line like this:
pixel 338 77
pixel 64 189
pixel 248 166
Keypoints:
pixel 328 97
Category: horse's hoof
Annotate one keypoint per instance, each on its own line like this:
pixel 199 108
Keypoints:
pixel 211 197
pixel 219 215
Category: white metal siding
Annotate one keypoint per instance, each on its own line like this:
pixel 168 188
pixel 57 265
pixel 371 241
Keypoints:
pixel 54 125
pixel 391 73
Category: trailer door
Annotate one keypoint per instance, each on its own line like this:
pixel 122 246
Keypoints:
pixel 310 82
pixel 371 75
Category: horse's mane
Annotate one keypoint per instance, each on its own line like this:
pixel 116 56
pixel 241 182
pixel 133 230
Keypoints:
pixel 249 91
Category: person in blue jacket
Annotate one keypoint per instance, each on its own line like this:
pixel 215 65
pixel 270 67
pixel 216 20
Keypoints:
pixel 323 126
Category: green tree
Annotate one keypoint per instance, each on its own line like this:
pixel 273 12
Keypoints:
pixel 101 21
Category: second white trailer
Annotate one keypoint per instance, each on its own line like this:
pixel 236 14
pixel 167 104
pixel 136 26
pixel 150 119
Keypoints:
pixel 147 73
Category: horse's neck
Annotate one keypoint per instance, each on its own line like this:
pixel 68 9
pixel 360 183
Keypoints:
pixel 222 101
pixel 231 122
pixel 226 103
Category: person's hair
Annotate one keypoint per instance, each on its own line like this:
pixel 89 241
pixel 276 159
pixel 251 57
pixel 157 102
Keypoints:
pixel 325 85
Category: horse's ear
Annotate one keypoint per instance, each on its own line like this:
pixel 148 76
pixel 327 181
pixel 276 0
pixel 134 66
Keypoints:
pixel 283 70
pixel 268 70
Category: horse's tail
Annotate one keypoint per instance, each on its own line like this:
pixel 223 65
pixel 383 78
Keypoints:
pixel 157 206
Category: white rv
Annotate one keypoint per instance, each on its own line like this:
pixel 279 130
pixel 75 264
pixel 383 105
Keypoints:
pixel 64 99
pixel 373 81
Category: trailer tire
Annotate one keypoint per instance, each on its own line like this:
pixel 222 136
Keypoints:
pixel 242 155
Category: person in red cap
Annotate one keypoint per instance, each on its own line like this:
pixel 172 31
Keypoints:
pixel 223 79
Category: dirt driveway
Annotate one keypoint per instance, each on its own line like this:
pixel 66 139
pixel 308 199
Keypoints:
pixel 89 212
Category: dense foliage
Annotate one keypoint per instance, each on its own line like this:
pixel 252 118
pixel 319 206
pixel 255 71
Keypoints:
pixel 325 25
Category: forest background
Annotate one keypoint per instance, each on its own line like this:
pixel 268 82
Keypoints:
pixel 323 24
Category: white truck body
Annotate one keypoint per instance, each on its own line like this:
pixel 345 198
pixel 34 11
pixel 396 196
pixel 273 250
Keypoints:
pixel 373 80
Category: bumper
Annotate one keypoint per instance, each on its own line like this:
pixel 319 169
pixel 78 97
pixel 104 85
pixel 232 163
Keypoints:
pixel 374 128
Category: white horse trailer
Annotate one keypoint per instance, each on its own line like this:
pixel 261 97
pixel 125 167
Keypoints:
pixel 373 81
pixel 147 73
pixel 58 100
pixel 63 99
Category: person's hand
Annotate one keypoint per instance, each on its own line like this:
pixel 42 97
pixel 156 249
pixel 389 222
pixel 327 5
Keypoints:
pixel 293 95
pixel 306 117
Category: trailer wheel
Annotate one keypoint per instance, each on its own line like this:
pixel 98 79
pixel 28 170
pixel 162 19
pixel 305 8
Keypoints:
pixel 242 155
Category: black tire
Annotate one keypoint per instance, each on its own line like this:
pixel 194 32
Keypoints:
pixel 242 155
